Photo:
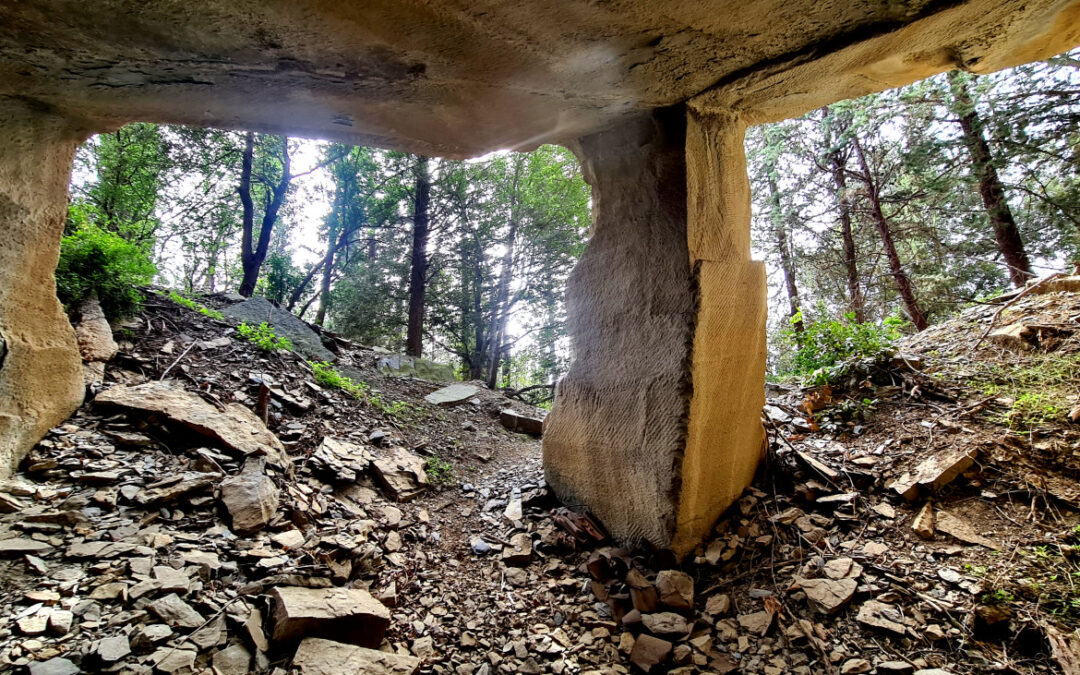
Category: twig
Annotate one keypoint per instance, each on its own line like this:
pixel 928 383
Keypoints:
pixel 178 359
pixel 1008 304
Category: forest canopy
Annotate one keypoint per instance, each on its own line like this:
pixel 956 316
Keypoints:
pixel 875 216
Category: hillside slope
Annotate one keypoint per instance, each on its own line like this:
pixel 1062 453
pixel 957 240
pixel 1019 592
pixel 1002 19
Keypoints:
pixel 922 516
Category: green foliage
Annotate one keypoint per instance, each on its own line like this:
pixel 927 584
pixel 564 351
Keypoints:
pixel 399 410
pixel 998 596
pixel 439 471
pixel 328 377
pixel 1041 388
pixel 263 336
pixel 93 260
pixel 195 306
pixel 824 344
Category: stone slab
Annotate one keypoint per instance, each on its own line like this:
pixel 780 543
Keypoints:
pixel 455 394
pixel 316 656
pixel 348 615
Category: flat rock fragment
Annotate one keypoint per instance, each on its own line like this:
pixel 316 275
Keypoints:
pixel 521 423
pixel 175 612
pixel 235 427
pixel 317 656
pixel 348 615
pixel 875 614
pixel 455 394
pixel 402 473
pixel 828 596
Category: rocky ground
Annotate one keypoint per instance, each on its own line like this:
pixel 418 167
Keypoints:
pixel 220 508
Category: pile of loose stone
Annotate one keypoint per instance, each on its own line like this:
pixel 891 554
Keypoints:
pixel 165 529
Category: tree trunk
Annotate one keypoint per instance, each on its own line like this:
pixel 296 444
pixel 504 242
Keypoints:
pixel 787 265
pixel 839 173
pixel 414 339
pixel 903 284
pixel 248 222
pixel 1006 233
pixel 500 311
pixel 298 292
pixel 252 259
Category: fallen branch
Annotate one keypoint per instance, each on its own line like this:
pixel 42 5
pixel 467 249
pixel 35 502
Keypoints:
pixel 516 393
pixel 178 359
pixel 1008 304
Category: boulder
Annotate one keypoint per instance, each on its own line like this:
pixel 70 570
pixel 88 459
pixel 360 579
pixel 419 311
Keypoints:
pixel 402 473
pixel 348 615
pixel 305 341
pixel 93 333
pixel 250 496
pixel 523 424
pixel 400 365
pixel 236 427
pixel 455 394
pixel 316 656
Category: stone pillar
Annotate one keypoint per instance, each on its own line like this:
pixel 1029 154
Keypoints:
pixel 40 371
pixel 725 440
pixel 656 427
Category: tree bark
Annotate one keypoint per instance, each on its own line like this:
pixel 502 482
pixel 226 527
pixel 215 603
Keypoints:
pixel 837 165
pixel 500 311
pixel 252 259
pixel 903 284
pixel 787 265
pixel 414 339
pixel 992 192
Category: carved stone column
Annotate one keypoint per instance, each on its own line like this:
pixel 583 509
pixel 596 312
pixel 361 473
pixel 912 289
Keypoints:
pixel 40 372
pixel 656 428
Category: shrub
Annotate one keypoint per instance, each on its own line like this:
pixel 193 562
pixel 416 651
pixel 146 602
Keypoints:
pixel 327 376
pixel 263 336
pixel 93 260
pixel 439 471
pixel 823 344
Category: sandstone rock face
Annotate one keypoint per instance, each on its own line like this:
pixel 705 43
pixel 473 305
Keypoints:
pixel 41 380
pixel 421 77
pixel 616 432
pixel 660 383
pixel 323 657
pixel 348 615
